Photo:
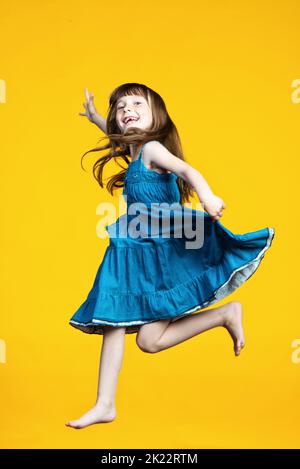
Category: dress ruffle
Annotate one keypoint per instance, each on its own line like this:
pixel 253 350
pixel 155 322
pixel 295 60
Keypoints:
pixel 166 281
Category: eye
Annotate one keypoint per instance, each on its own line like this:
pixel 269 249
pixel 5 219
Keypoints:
pixel 136 102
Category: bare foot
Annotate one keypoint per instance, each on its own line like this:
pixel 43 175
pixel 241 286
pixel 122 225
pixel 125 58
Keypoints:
pixel 100 413
pixel 233 316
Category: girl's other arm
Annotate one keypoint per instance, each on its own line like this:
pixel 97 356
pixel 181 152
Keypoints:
pixel 156 152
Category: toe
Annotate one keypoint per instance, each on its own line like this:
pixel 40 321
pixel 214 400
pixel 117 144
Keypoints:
pixel 71 424
pixel 239 347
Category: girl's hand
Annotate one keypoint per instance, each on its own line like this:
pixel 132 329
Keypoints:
pixel 213 205
pixel 91 112
pixel 90 109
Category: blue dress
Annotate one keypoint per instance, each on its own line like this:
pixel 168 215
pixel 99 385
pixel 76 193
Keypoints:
pixel 146 275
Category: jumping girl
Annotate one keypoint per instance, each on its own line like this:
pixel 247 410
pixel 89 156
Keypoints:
pixel 155 286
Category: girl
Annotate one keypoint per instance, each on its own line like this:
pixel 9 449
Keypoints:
pixel 151 285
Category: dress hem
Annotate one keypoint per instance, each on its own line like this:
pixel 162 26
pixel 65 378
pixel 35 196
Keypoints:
pixel 235 280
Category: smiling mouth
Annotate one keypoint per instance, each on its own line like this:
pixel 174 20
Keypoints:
pixel 131 120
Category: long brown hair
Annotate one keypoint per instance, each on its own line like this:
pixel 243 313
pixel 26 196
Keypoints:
pixel 162 129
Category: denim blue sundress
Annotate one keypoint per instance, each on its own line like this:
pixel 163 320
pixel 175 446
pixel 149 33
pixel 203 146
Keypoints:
pixel 175 261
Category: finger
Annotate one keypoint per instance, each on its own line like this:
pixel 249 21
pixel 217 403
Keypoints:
pixel 88 114
pixel 86 94
pixel 87 111
pixel 82 114
pixel 87 107
pixel 91 103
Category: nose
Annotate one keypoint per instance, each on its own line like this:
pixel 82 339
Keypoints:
pixel 127 108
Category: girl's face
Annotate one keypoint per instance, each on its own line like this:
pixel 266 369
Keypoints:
pixel 136 107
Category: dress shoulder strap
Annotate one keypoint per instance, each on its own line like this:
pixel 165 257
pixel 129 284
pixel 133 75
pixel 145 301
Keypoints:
pixel 142 164
pixel 141 152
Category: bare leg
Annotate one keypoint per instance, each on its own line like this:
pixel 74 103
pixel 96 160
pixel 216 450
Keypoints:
pixel 109 368
pixel 164 334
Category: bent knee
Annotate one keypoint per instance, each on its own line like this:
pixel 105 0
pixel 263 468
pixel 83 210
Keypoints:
pixel 146 346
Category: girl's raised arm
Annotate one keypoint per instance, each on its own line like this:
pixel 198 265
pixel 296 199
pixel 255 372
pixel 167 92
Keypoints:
pixel 91 112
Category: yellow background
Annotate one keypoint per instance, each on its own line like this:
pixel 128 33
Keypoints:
pixel 225 70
